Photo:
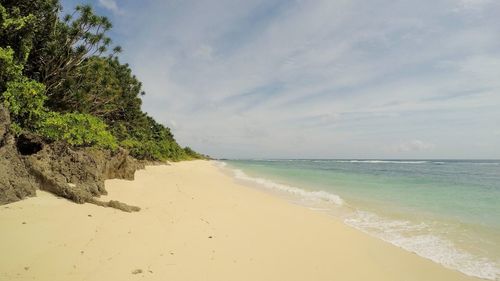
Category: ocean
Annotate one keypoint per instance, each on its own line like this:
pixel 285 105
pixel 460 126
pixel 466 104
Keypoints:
pixel 447 211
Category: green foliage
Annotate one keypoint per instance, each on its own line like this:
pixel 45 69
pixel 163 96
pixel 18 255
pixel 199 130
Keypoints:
pixel 15 129
pixel 144 149
pixel 78 130
pixel 147 139
pixel 73 40
pixel 25 98
pixel 102 87
pixel 9 24
pixel 154 150
pixel 16 31
pixel 31 43
pixel 9 69
pixel 190 153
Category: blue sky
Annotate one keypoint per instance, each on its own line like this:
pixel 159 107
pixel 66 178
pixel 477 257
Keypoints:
pixel 318 79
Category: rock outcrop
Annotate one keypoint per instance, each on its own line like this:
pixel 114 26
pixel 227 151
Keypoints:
pixel 72 174
pixel 16 183
pixel 27 164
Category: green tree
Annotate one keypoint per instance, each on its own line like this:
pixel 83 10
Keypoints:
pixel 16 31
pixel 74 39
pixel 103 87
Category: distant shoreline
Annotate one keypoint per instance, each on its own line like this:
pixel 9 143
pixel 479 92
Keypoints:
pixel 361 159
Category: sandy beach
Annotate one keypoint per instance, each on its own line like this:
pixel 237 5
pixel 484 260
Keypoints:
pixel 196 223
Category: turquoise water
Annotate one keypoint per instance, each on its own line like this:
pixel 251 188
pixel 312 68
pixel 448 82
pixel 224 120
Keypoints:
pixel 446 211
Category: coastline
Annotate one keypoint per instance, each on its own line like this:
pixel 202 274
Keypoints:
pixel 196 223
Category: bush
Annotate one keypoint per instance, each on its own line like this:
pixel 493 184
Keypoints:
pixel 25 100
pixel 154 150
pixel 78 130
pixel 9 69
pixel 190 153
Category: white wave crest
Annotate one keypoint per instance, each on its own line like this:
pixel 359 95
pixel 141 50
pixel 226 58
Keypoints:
pixel 486 163
pixel 220 164
pixel 416 238
pixel 314 195
pixel 381 161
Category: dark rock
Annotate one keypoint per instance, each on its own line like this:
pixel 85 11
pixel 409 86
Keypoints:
pixel 15 181
pixel 117 165
pixel 4 124
pixel 66 172
pixel 79 174
pixel 116 204
pixel 137 271
pixel 122 206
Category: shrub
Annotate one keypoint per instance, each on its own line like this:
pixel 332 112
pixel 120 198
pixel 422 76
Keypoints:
pixel 25 100
pixel 190 153
pixel 77 129
pixel 154 150
pixel 9 69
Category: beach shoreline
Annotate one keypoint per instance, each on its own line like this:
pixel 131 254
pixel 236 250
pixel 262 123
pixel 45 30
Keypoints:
pixel 196 223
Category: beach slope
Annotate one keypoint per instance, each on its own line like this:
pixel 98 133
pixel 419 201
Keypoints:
pixel 196 223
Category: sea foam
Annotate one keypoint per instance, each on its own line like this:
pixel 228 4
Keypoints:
pixel 417 238
pixel 304 194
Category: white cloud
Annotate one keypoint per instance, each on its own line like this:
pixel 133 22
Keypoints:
pixel 414 146
pixel 204 52
pixel 473 4
pixel 110 5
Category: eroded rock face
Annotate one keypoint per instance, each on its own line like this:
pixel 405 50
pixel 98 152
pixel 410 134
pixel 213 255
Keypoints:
pixel 15 181
pixel 117 165
pixel 4 125
pixel 27 164
pixel 79 174
pixel 72 174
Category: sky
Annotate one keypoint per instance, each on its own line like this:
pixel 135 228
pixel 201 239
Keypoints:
pixel 317 78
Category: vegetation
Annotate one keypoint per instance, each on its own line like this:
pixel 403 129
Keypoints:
pixel 78 130
pixel 61 79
